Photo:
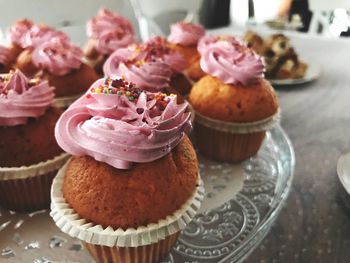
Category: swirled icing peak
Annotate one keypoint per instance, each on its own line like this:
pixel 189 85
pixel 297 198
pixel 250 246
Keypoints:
pixel 210 39
pixel 58 56
pixel 5 56
pixel 186 34
pixel 22 98
pixel 230 60
pixel 17 32
pixel 119 124
pixel 111 31
pixel 158 49
pixel 39 34
pixel 135 64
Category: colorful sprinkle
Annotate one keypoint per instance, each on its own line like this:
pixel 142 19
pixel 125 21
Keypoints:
pixel 118 87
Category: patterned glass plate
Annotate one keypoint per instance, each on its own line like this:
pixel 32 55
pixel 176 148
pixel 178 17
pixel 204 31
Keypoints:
pixel 241 203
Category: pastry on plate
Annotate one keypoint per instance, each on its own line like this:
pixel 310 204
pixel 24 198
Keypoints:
pixel 234 105
pixel 60 62
pixel 133 176
pixel 107 32
pixel 160 49
pixel 184 37
pixel 32 38
pixel 30 156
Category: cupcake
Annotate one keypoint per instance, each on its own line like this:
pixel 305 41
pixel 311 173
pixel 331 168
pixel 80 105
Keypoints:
pixel 184 37
pixel 133 183
pixel 137 64
pixel 16 35
pixel 30 156
pixel 234 104
pixel 107 32
pixel 159 49
pixel 5 59
pixel 59 61
pixel 32 38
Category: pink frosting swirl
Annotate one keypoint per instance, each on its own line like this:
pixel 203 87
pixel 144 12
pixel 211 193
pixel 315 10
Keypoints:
pixel 186 34
pixel 158 49
pixel 21 98
pixel 5 56
pixel 119 130
pixel 39 34
pixel 18 31
pixel 208 40
pixel 58 56
pixel 132 63
pixel 110 30
pixel 230 61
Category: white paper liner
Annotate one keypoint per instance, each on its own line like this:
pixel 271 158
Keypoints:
pixel 235 127
pixel 64 102
pixel 23 172
pixel 72 224
pixel 190 108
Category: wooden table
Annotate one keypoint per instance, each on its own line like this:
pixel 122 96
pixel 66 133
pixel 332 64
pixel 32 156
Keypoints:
pixel 314 226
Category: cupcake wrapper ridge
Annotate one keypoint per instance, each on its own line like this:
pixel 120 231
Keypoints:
pixel 235 127
pixel 27 188
pixel 75 226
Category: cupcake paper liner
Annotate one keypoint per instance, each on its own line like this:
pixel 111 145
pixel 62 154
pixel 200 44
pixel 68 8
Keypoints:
pixel 65 102
pixel 24 172
pixel 27 188
pixel 75 226
pixel 235 127
pixel 145 254
pixel 225 146
pixel 190 108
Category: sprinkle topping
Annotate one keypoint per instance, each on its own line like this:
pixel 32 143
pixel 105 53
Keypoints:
pixel 118 87
pixel 121 87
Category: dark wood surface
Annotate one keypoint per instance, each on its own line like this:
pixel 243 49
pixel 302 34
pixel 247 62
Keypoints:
pixel 314 225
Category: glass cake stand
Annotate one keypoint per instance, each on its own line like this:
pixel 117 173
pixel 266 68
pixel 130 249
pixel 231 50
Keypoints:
pixel 242 202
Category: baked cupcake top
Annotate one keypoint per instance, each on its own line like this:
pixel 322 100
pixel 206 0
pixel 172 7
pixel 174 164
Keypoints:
pixel 117 123
pixel 22 98
pixel 185 34
pixel 17 32
pixel 58 56
pixel 158 49
pixel 230 60
pixel 137 64
pixel 111 31
pixel 5 55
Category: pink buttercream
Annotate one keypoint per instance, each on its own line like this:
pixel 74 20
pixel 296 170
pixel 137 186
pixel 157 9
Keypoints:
pixel 131 64
pixel 39 34
pixel 230 61
pixel 158 49
pixel 58 56
pixel 119 132
pixel 5 56
pixel 17 32
pixel 186 34
pixel 21 98
pixel 207 40
pixel 110 30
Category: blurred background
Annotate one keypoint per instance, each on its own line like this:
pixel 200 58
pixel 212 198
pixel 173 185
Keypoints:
pixel 322 17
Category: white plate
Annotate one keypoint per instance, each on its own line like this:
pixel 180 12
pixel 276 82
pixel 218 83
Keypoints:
pixel 312 72
pixel 343 169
